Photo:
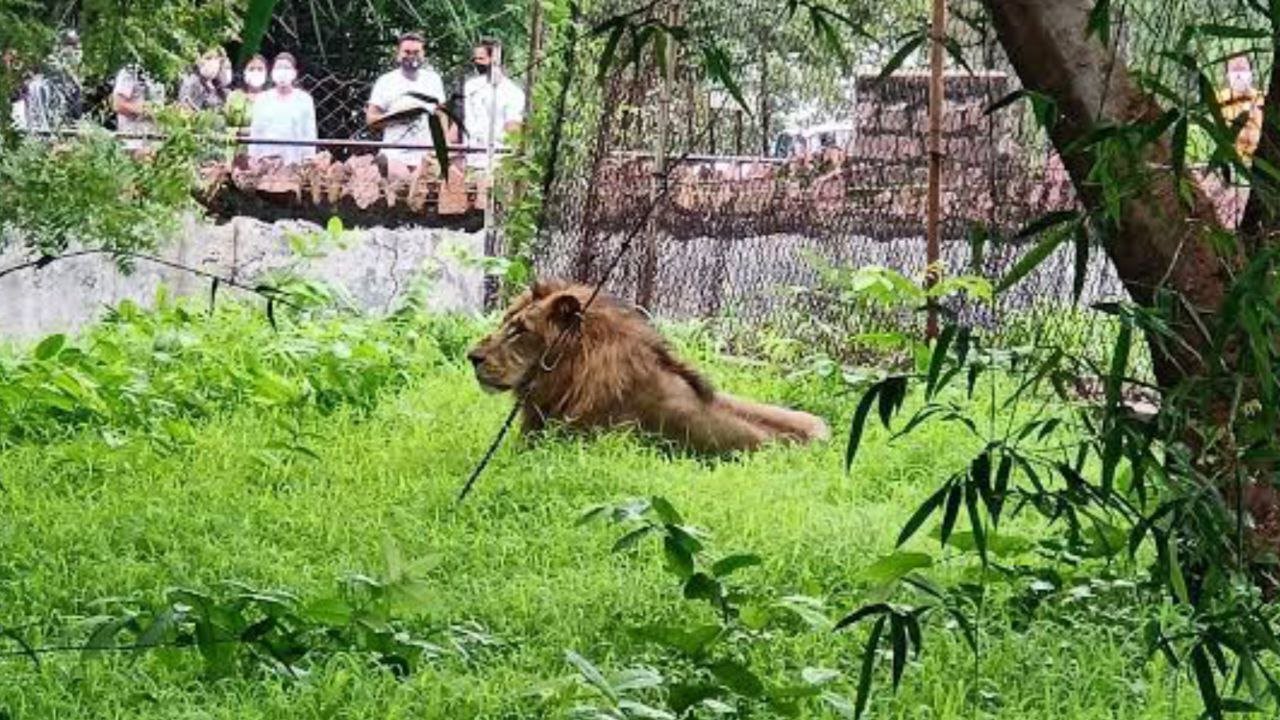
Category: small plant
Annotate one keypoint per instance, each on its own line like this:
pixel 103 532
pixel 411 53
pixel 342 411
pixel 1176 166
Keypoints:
pixel 246 630
pixel 706 663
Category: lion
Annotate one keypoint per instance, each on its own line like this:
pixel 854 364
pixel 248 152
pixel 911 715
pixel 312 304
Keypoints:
pixel 613 369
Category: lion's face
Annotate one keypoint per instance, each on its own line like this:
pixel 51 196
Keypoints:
pixel 507 356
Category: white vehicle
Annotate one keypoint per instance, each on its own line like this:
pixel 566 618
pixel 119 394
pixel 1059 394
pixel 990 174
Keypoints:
pixel 803 140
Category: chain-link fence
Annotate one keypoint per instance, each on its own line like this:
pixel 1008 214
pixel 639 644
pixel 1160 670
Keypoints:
pixel 772 199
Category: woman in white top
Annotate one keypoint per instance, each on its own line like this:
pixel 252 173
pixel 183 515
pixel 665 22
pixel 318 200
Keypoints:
pixel 284 112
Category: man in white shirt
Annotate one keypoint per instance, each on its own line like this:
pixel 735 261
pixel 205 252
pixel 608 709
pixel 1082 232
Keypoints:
pixel 391 96
pixel 493 105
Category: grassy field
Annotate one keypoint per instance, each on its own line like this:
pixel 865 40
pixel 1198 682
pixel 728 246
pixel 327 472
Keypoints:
pixel 90 519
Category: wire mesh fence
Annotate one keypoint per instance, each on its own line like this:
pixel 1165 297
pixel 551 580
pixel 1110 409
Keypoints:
pixel 828 174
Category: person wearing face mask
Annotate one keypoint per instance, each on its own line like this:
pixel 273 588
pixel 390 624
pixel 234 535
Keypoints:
pixel 285 112
pixel 493 105
pixel 394 109
pixel 201 87
pixel 1240 97
pixel 54 96
pixel 239 107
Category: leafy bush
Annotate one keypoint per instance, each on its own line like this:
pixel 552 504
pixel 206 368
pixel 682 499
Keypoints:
pixel 156 372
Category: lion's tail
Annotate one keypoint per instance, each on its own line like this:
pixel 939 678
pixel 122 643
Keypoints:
pixel 789 424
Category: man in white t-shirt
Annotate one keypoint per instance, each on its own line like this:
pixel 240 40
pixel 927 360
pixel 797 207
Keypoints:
pixel 493 105
pixel 391 96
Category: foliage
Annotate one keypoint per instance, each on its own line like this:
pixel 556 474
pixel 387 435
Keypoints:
pixel 704 661
pixel 165 36
pixel 89 192
pixel 157 372
pixel 1169 489
pixel 247 630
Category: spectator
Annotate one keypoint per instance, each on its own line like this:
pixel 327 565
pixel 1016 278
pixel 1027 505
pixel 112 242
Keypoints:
pixel 54 95
pixel 402 102
pixel 493 104
pixel 135 97
pixel 201 87
pixel 284 112
pixel 239 107
pixel 1240 97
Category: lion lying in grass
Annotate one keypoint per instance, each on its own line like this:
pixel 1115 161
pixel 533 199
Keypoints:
pixel 616 370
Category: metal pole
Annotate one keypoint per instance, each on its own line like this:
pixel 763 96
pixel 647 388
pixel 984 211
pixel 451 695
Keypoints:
pixel 934 210
pixel 491 248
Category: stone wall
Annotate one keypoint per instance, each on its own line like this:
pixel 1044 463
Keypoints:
pixel 377 268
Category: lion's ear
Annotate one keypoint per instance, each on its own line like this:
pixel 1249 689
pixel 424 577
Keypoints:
pixel 565 308
pixel 540 289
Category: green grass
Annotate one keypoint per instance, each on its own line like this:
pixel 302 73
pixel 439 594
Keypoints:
pixel 86 521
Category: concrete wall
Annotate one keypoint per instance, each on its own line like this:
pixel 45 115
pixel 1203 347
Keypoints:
pixel 377 268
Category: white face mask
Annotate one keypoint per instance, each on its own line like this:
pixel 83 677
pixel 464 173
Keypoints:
pixel 255 78
pixel 225 77
pixel 283 76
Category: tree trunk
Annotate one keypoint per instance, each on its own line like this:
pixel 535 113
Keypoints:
pixel 1158 241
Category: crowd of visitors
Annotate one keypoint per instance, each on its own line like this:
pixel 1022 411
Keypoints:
pixel 267 103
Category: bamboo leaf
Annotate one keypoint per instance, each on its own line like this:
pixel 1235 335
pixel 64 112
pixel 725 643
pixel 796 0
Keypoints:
pixel 868 667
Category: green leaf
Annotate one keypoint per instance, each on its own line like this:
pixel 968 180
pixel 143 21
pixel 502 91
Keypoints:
pixel 692 641
pixel 1230 32
pixel 898 638
pixel 592 675
pixel 921 514
pixel 868 667
pixel 728 565
pixel 892 395
pixel 439 143
pixel 666 512
pixel 1176 580
pixel 50 347
pixel 939 358
pixel 1004 102
pixel 975 520
pixel 256 18
pixel 859 424
pixel 679 559
pixel 738 678
pixel 636 679
pixel 894 567
pixel 592 513
pixel 716 63
pixel 1081 270
pixel 913 43
pixel 157 631
pixel 701 586
pixel 1207 683
pixel 333 611
pixel 630 539
pixel 610 48
pixel 860 614
pixel 103 636
pixel 1041 250
pixel 950 513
